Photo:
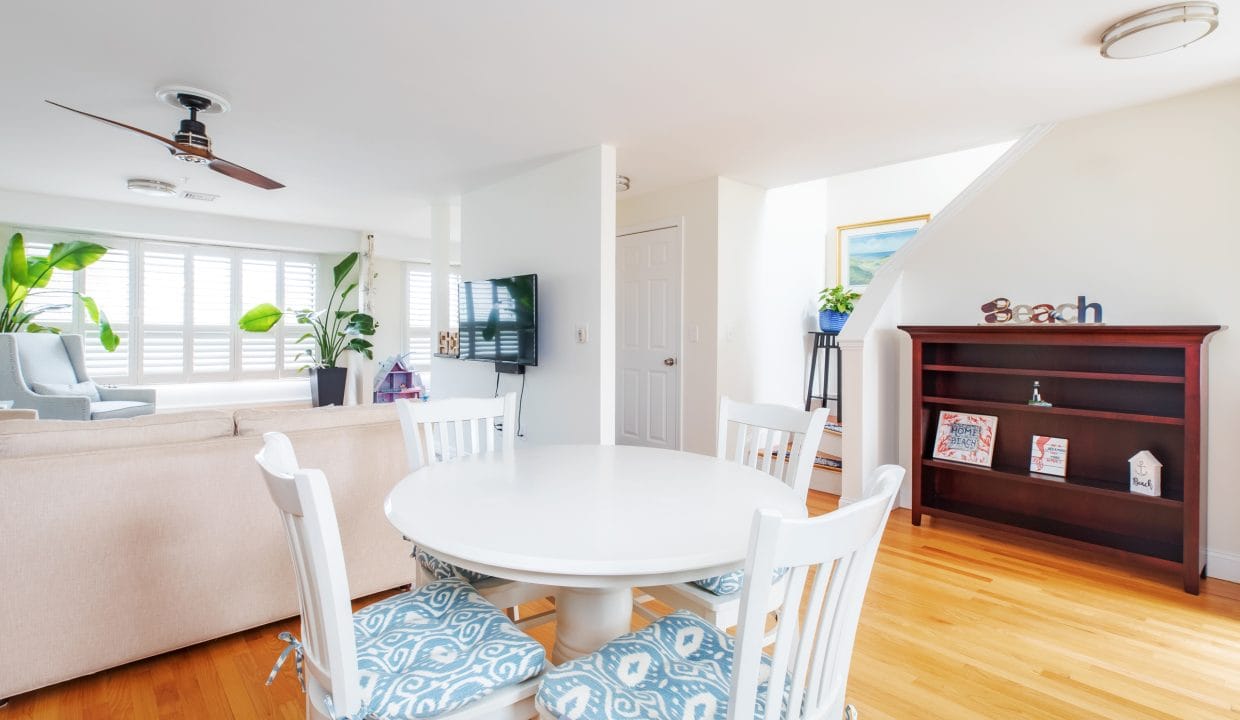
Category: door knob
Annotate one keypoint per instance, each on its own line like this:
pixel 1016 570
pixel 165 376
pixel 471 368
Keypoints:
pixel 669 361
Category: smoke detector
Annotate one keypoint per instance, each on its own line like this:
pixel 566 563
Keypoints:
pixel 1159 30
pixel 153 188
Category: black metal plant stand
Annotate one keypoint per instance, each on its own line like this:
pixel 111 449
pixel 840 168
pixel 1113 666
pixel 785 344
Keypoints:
pixel 826 341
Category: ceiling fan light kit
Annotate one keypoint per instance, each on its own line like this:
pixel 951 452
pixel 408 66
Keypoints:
pixel 153 188
pixel 1159 30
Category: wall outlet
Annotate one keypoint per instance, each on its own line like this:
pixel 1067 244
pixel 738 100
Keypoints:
pixel 582 333
pixel 694 334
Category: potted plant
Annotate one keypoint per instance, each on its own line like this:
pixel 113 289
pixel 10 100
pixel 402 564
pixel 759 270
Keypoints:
pixel 25 280
pixel 333 330
pixel 835 304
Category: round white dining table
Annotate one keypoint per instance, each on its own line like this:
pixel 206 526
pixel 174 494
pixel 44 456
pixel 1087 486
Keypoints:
pixel 594 521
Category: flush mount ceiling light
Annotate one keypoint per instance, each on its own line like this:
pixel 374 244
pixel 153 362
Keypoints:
pixel 1159 30
pixel 154 188
pixel 622 183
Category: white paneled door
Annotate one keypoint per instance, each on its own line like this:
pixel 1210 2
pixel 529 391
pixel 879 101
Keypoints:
pixel 648 338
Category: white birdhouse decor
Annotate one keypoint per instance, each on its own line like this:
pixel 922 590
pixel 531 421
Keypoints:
pixel 1145 474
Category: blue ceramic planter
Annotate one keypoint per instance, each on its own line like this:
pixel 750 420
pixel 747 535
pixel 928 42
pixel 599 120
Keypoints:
pixel 831 321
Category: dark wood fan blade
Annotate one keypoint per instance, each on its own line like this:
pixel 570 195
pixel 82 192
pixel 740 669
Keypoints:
pixel 237 172
pixel 171 145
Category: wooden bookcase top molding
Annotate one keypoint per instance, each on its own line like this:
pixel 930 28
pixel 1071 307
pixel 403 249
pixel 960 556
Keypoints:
pixel 1115 389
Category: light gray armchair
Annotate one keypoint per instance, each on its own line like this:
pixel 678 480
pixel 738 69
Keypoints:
pixel 30 358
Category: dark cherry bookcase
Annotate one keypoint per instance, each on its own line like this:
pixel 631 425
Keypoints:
pixel 1116 390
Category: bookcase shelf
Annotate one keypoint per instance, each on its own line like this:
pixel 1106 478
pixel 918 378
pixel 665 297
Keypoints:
pixel 1074 374
pixel 1112 490
pixel 1057 410
pixel 1117 390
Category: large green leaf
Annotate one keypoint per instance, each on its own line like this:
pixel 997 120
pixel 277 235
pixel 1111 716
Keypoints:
pixel 37 328
pixel 345 294
pixel 75 255
pixel 14 270
pixel 361 324
pixel 361 346
pixel 38 272
pixel 260 318
pixel 107 337
pixel 343 268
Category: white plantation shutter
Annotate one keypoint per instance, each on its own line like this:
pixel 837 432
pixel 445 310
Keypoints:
pixel 175 307
pixel 107 281
pixel 212 314
pixel 454 300
pixel 163 312
pixel 300 284
pixel 258 285
pixel 418 314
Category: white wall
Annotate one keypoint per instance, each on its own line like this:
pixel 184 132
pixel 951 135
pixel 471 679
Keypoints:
pixel 918 187
pixel 558 221
pixel 696 208
pixel 1136 210
pixel 790 274
pixel 742 287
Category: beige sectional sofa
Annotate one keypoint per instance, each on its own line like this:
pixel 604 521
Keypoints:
pixel 122 539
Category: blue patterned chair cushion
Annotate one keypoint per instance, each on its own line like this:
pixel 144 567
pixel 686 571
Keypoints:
pixel 442 570
pixel 437 648
pixel 731 582
pixel 679 666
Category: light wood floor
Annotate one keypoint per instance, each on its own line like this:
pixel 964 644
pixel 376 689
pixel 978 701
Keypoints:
pixel 959 624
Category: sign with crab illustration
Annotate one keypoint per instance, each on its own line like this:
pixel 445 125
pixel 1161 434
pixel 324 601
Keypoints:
pixel 966 438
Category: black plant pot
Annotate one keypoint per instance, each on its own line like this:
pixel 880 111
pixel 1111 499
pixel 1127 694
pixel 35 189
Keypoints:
pixel 327 385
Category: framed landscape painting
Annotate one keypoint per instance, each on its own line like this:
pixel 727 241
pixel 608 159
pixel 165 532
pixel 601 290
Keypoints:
pixel 863 248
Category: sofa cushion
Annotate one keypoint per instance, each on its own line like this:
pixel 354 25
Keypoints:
pixel 256 421
pixel 33 438
pixel 86 388
pixel 44 359
pixel 110 409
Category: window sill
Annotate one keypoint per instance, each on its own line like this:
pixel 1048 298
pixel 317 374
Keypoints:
pixel 178 397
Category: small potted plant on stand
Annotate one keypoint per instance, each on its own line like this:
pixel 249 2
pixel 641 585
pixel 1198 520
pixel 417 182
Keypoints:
pixel 835 304
pixel 333 330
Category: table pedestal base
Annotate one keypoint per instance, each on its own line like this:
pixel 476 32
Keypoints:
pixel 586 618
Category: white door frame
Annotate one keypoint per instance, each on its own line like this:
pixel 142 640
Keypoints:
pixel 678 223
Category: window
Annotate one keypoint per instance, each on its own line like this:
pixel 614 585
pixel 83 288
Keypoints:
pixel 419 315
pixel 175 307
pixel 418 312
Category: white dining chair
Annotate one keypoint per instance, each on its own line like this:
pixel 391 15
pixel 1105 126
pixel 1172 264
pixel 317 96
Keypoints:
pixel 444 430
pixel 439 651
pixel 777 440
pixel 683 666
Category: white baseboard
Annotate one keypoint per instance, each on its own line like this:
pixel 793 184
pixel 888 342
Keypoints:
pixel 1223 565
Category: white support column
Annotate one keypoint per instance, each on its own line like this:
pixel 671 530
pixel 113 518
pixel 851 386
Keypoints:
pixel 358 390
pixel 445 232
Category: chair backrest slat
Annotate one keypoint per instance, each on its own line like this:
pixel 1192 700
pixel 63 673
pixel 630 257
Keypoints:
pixel 813 651
pixel 442 430
pixel 777 440
pixel 309 517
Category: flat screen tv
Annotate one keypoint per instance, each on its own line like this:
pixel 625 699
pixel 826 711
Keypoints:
pixel 499 320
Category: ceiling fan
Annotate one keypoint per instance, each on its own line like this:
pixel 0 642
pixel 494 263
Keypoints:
pixel 191 143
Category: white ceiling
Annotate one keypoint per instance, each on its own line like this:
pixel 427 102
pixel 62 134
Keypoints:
pixel 368 110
